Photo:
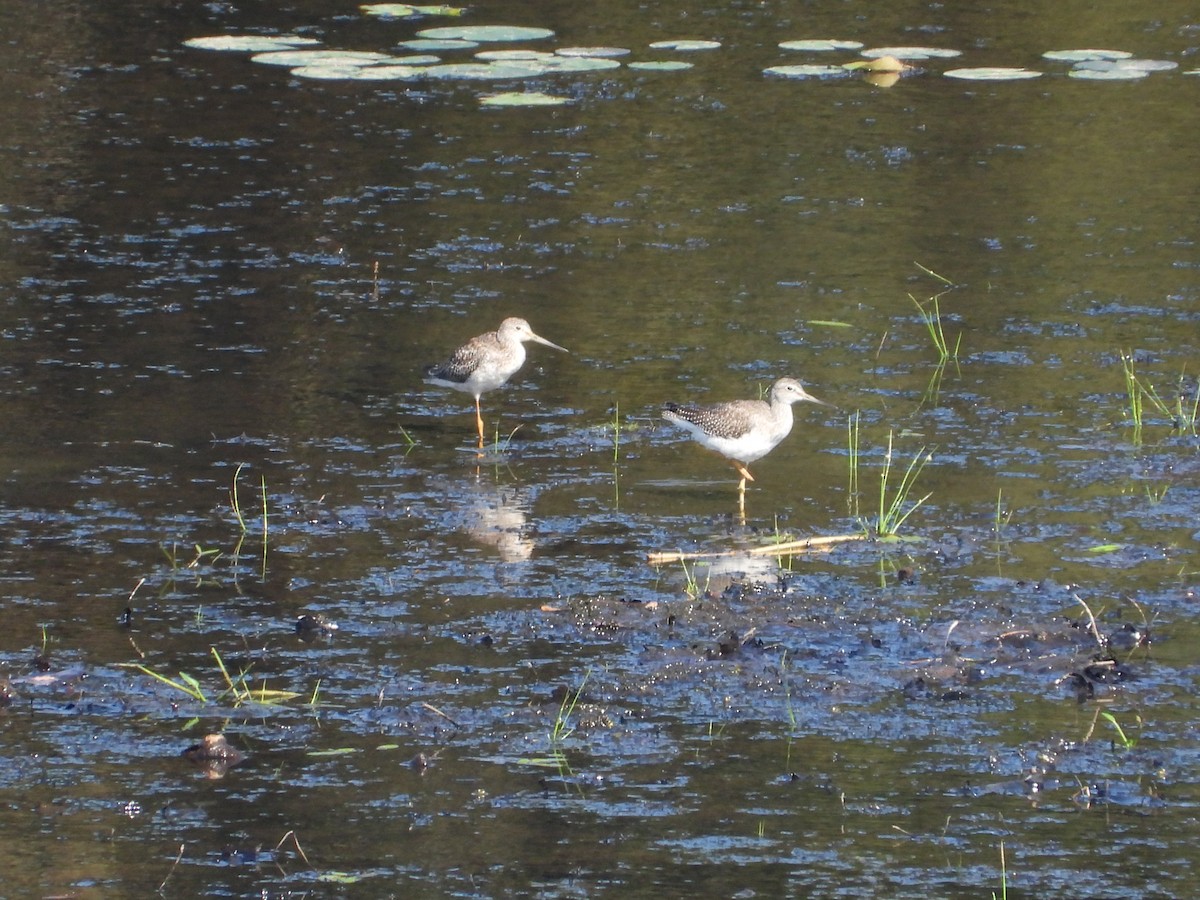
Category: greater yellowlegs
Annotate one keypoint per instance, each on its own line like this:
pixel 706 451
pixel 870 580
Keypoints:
pixel 485 362
pixel 742 430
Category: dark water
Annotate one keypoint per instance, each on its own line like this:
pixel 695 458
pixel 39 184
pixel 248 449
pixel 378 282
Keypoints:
pixel 208 264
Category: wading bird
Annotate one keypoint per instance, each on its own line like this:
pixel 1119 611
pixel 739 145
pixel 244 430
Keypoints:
pixel 485 362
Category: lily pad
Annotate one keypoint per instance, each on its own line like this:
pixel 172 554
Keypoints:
pixel 417 59
pixel 249 43
pixel 556 64
pixel 1080 55
pixel 665 65
pixel 504 55
pixel 821 45
pixel 480 71
pixel 597 52
pixel 523 98
pixel 992 73
pixel 437 46
pixel 389 10
pixel 685 45
pixel 1113 74
pixel 911 52
pixel 486 33
pixel 325 72
pixel 805 71
pixel 1141 65
pixel 406 11
pixel 296 58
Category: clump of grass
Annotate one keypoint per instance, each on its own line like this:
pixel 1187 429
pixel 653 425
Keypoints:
pixel 691 585
pixel 187 684
pixel 787 691
pixel 237 687
pixel 1002 516
pixel 852 441
pixel 1184 414
pixel 235 504
pixel 1124 741
pixel 892 512
pixel 616 430
pixel 562 728
pixel 1003 895
pixel 781 536
pixel 500 447
pixel 931 314
pixel 895 501
pixel 560 731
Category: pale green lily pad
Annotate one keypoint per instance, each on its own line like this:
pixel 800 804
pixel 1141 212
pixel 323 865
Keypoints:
pixel 1080 55
pixel 417 59
pixel 1140 65
pixel 911 52
pixel 597 52
pixel 486 33
pixel 360 73
pixel 1113 74
pixel 509 55
pixel 666 65
pixel 557 64
pixel 480 71
pixel 685 45
pixel 389 10
pixel 806 71
pixel 437 46
pixel 547 63
pixel 405 11
pixel 992 73
pixel 295 58
pixel 249 43
pixel 523 98
pixel 821 45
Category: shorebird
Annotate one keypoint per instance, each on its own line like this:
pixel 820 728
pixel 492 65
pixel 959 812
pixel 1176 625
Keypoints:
pixel 485 362
pixel 742 431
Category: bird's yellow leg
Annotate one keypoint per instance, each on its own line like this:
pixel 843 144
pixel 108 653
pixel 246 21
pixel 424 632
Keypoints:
pixel 743 471
pixel 479 422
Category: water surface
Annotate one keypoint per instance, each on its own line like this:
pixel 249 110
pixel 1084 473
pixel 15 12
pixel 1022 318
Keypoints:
pixel 217 274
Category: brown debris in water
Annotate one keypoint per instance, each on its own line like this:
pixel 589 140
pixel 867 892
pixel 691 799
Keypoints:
pixel 214 755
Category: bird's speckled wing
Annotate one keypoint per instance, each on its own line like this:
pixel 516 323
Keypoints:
pixel 465 360
pixel 728 420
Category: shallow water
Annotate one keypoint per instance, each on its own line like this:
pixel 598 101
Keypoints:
pixel 191 301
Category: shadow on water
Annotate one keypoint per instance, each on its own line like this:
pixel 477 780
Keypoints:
pixel 231 507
